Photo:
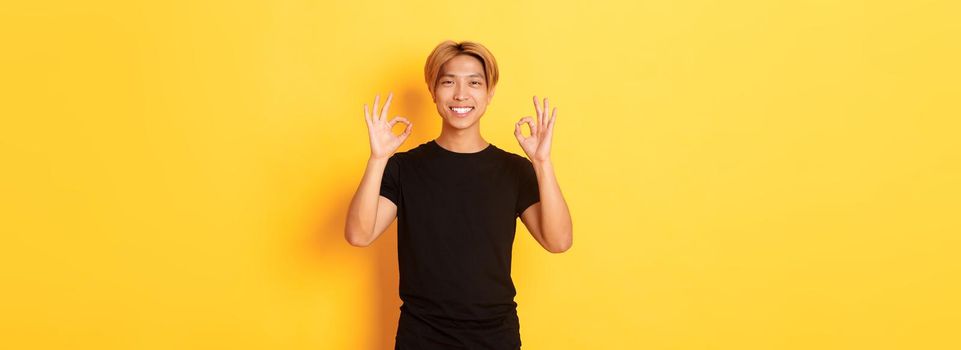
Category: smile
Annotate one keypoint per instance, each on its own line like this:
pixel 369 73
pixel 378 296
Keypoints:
pixel 461 111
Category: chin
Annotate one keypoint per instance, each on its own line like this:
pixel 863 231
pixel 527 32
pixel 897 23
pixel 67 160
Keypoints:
pixel 461 126
pixel 464 124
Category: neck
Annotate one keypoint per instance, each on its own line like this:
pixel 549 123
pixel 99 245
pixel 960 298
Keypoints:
pixel 461 141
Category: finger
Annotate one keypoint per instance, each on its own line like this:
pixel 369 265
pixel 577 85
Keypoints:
pixel 366 114
pixel 383 113
pixel 549 135
pixel 376 104
pixel 524 120
pixel 407 130
pixel 553 117
pixel 519 130
pixel 537 106
pixel 546 108
pixel 398 119
pixel 530 122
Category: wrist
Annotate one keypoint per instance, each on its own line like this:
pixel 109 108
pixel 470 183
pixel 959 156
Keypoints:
pixel 543 164
pixel 541 161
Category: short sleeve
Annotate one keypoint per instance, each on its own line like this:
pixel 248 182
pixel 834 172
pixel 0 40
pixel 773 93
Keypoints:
pixel 528 192
pixel 389 183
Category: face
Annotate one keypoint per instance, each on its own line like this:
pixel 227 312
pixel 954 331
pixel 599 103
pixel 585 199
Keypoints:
pixel 461 91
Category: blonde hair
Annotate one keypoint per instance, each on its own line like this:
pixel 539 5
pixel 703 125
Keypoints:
pixel 450 49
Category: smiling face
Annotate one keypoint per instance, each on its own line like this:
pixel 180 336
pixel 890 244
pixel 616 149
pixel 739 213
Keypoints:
pixel 461 92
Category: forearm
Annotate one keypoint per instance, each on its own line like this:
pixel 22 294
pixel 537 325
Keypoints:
pixel 555 218
pixel 362 213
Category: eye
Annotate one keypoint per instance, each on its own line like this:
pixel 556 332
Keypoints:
pixel 476 82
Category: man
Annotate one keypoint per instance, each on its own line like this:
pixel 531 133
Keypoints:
pixel 457 199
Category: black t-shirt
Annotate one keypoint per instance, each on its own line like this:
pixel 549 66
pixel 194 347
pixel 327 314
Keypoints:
pixel 457 214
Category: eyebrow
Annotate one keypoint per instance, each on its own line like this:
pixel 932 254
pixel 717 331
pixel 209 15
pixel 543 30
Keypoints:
pixel 464 75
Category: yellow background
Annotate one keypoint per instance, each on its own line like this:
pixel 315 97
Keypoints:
pixel 742 174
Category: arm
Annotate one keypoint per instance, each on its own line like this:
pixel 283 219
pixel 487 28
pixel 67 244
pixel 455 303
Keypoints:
pixel 369 213
pixel 549 220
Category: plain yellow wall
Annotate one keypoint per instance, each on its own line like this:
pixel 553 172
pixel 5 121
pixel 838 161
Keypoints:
pixel 742 174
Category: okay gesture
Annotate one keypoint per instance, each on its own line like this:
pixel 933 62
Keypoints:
pixel 538 145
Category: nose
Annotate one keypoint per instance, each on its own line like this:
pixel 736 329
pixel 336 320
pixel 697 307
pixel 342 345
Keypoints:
pixel 459 94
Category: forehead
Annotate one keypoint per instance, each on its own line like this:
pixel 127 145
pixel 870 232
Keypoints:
pixel 463 65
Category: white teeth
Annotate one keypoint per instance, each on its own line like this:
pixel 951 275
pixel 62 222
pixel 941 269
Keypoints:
pixel 462 110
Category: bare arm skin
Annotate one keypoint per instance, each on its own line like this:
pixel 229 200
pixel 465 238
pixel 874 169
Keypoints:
pixel 549 220
pixel 370 213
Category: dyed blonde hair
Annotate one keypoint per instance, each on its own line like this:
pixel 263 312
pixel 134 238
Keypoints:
pixel 450 49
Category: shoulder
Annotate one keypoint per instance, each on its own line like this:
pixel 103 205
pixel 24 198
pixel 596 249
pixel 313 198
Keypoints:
pixel 518 163
pixel 509 156
pixel 517 159
pixel 419 151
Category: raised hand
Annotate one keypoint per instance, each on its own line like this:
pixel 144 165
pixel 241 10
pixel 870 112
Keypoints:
pixel 538 145
pixel 383 142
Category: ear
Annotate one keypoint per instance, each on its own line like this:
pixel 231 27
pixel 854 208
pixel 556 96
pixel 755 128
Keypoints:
pixel 490 95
